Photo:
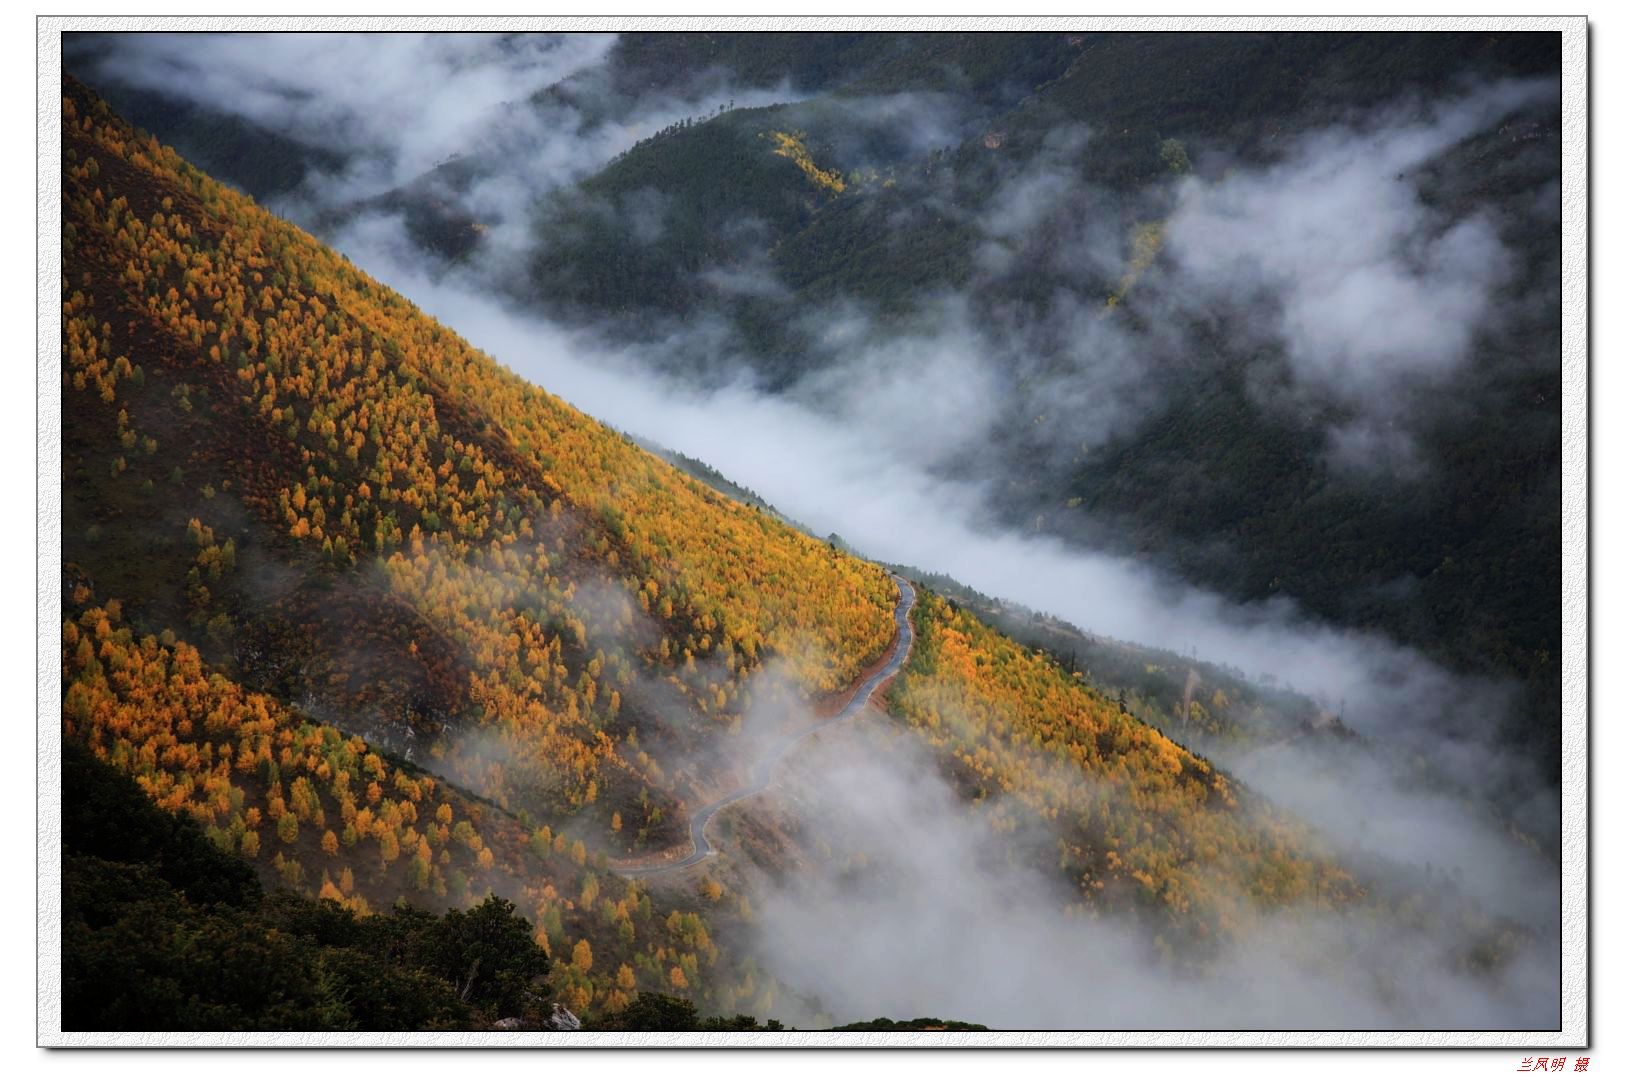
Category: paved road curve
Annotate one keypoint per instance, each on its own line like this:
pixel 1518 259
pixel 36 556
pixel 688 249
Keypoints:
pixel 762 774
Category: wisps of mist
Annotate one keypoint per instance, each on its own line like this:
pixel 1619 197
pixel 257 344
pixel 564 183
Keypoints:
pixel 915 912
pixel 399 107
pixel 402 103
pixel 1333 252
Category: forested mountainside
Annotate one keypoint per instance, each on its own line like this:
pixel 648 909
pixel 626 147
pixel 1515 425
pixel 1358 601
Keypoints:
pixel 166 932
pixel 1014 187
pixel 392 624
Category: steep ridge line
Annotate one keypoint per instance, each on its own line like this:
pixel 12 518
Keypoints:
pixel 762 772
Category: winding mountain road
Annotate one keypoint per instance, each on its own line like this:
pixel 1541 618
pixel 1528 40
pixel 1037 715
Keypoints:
pixel 762 773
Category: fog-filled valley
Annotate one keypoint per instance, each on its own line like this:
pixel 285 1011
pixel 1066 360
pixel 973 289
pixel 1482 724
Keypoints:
pixel 1207 389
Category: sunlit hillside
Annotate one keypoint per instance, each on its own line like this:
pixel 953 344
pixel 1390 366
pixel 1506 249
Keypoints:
pixel 392 624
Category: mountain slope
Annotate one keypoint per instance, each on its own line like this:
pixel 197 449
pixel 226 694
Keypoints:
pixel 393 623
pixel 477 577
pixel 1157 825
pixel 380 443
